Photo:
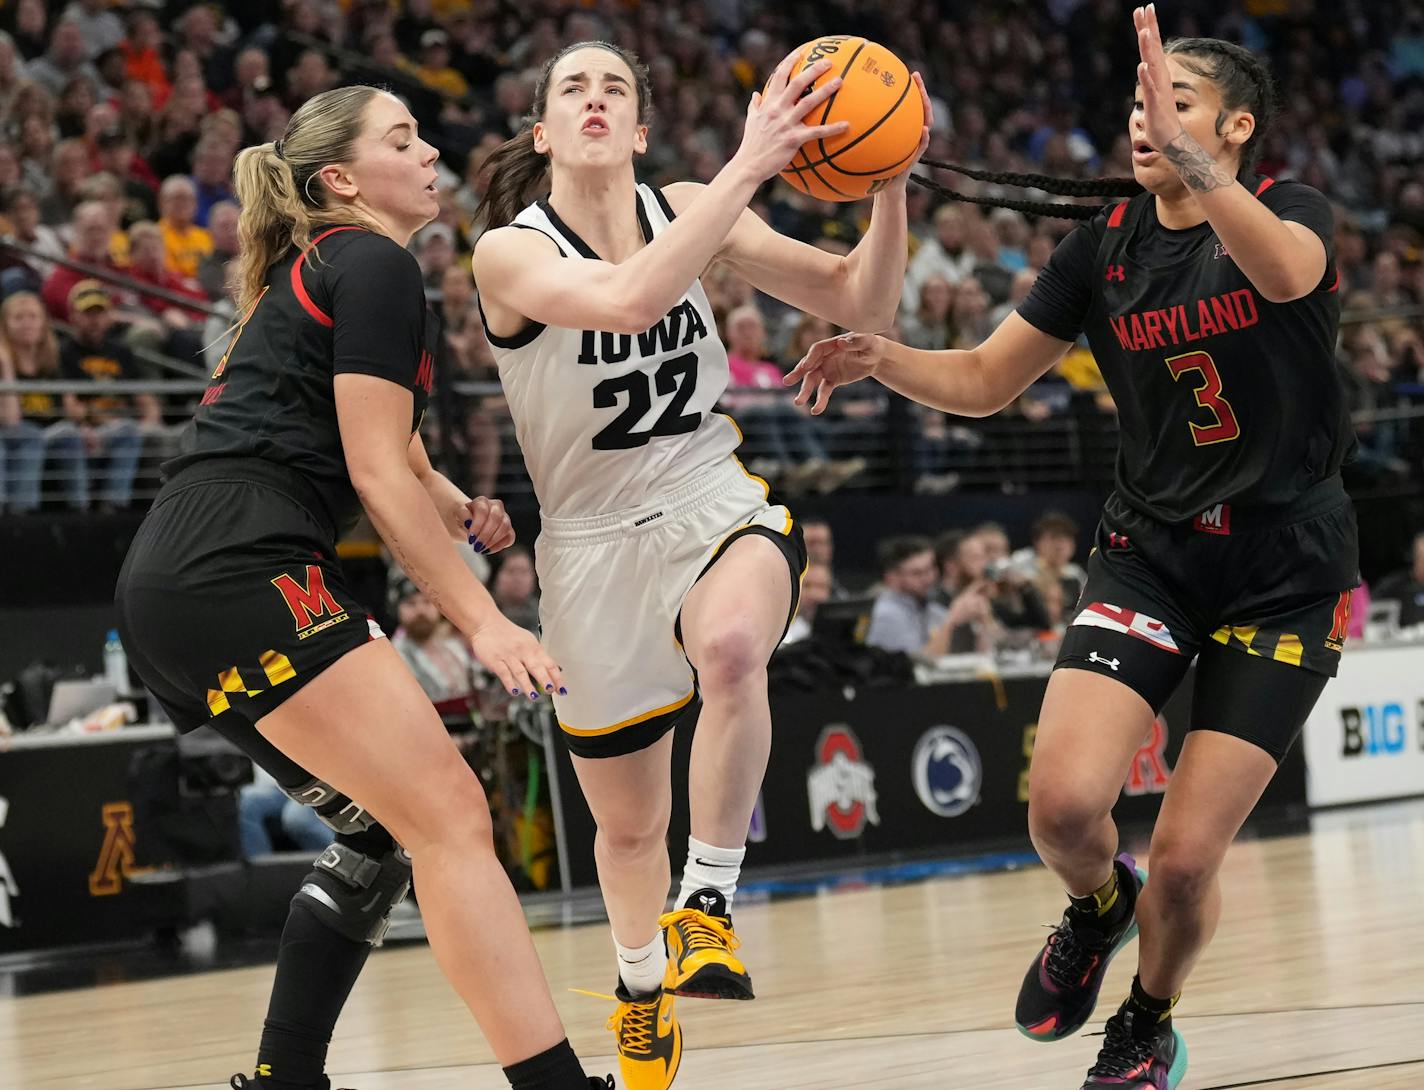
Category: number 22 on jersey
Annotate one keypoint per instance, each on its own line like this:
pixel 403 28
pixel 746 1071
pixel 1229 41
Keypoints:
pixel 1224 427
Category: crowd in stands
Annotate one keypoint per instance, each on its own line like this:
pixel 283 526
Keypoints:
pixel 119 122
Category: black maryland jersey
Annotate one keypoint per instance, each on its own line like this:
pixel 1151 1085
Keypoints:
pixel 1222 396
pixel 356 306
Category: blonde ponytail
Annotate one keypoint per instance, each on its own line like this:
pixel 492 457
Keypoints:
pixel 282 198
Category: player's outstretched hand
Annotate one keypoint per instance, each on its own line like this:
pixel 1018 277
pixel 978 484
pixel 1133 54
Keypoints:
pixel 1160 122
pixel 834 362
pixel 775 126
pixel 516 658
pixel 488 525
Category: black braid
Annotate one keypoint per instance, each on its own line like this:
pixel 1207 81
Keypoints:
pixel 1052 209
pixel 1063 187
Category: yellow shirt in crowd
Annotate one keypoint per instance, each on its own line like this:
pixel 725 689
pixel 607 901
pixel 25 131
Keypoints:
pixel 185 249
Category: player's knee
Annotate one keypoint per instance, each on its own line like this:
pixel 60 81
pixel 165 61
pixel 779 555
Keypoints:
pixel 355 884
pixel 1060 817
pixel 634 841
pixel 1180 874
pixel 731 658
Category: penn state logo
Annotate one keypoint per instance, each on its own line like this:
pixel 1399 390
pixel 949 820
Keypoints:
pixel 841 785
pixel 947 771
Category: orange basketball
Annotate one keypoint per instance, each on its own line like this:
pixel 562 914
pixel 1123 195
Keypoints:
pixel 886 118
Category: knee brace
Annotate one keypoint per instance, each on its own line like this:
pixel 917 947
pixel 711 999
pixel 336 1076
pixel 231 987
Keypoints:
pixel 353 893
pixel 337 811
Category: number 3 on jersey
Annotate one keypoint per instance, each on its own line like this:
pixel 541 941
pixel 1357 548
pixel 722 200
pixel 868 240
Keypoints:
pixel 676 376
pixel 1208 395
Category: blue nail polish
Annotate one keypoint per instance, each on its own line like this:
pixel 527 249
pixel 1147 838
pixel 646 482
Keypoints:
pixel 533 695
pixel 478 544
pixel 514 691
pixel 472 540
pixel 467 524
pixel 549 687
pixel 563 691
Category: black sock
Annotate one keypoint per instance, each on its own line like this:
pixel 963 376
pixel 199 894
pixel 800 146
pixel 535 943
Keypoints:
pixel 1152 1013
pixel 1106 905
pixel 555 1068
pixel 316 970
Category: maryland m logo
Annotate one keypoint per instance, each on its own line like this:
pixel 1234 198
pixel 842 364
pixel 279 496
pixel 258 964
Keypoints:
pixel 309 602
pixel 116 857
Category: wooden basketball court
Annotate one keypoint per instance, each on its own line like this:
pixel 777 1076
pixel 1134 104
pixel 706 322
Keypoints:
pixel 1315 982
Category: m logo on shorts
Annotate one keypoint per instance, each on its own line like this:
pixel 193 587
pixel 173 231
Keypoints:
pixel 1216 519
pixel 309 602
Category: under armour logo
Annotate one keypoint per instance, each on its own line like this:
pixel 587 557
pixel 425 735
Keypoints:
pixel 1116 272
pixel 1112 664
pixel 1116 540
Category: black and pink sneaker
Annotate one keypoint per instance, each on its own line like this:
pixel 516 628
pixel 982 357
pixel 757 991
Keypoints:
pixel 1138 1057
pixel 1061 988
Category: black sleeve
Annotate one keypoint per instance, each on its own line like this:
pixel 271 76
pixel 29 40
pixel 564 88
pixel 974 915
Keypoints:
pixel 1299 203
pixel 69 356
pixel 1059 300
pixel 377 307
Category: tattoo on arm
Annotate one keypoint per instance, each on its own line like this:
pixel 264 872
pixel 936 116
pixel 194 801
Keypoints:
pixel 1198 169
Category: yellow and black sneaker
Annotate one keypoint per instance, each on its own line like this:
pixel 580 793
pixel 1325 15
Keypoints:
pixel 700 942
pixel 649 1039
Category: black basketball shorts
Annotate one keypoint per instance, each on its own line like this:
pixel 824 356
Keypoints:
pixel 231 599
pixel 1260 598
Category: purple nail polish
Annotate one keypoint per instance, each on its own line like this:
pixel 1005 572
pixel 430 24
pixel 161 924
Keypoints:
pixel 563 691
pixel 533 695
pixel 549 687
pixel 514 691
pixel 478 544
pixel 467 524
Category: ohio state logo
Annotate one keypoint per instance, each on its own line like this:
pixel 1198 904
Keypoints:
pixel 1148 774
pixel 841 785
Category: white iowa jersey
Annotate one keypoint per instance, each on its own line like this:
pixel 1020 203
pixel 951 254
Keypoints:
pixel 607 421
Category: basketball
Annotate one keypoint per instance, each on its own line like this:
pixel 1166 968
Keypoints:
pixel 886 117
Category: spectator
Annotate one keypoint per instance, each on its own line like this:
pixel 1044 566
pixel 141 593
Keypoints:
pixel 1406 587
pixel 906 617
pixel 821 550
pixel 212 175
pixel 781 442
pixel 66 58
pixel 69 168
pixel 22 212
pixel 1049 559
pixel 114 153
pixel 112 425
pixel 143 57
pixel 261 804
pixel 29 350
pixel 434 68
pixel 185 244
pixel 930 326
pixel 99 27
pixel 12 72
pixel 22 445
pixel 178 328
pixel 435 252
pixel 31 29
pixel 222 226
pixel 438 657
pixel 945 255
pixel 515 588
pixel 80 95
pixel 89 242
pixel 815 589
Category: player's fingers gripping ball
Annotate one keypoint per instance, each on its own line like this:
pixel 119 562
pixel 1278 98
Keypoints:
pixel 886 115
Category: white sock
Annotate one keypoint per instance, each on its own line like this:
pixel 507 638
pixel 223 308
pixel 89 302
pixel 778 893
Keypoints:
pixel 641 968
pixel 709 867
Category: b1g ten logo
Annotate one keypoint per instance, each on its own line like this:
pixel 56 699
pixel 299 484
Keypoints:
pixel 947 772
pixel 1378 730
pixel 841 785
